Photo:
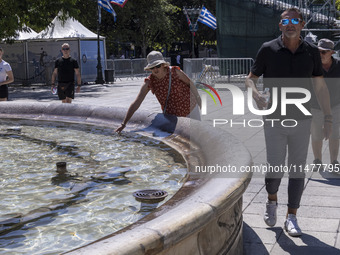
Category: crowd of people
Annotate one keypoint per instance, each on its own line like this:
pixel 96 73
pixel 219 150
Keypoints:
pixel 288 60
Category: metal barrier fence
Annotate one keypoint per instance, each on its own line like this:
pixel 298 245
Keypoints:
pixel 122 68
pixel 34 72
pixel 218 71
pixel 193 67
pixel 209 70
pixel 40 72
pixel 128 68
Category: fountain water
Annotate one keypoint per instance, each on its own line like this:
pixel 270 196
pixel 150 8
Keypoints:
pixel 204 216
pixel 68 207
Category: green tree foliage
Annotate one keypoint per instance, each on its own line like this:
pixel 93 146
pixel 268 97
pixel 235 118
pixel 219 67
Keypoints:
pixel 36 14
pixel 144 23
pixel 148 24
pixel 337 4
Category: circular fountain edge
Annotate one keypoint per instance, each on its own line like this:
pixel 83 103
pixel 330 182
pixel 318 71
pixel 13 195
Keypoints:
pixel 204 216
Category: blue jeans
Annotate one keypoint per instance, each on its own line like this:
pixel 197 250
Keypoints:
pixel 278 140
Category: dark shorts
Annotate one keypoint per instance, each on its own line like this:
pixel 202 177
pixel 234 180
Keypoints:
pixel 4 91
pixel 65 90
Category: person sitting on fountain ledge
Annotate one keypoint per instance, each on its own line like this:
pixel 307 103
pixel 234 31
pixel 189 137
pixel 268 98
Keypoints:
pixel 173 89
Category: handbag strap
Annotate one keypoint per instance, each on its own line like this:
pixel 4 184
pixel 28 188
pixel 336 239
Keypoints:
pixel 166 102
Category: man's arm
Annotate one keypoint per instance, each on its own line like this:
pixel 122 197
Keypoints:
pixel 10 78
pixel 54 76
pixel 76 70
pixel 251 81
pixel 322 95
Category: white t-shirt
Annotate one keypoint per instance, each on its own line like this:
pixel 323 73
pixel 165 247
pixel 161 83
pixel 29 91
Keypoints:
pixel 4 68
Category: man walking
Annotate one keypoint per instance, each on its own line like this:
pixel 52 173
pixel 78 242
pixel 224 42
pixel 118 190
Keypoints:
pixel 289 61
pixel 65 68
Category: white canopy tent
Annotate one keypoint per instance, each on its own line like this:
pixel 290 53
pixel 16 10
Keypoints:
pixel 25 35
pixel 70 28
pixel 32 56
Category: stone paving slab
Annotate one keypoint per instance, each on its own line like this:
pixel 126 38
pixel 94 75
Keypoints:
pixel 267 237
pixel 256 220
pixel 319 215
pixel 256 208
pixel 326 190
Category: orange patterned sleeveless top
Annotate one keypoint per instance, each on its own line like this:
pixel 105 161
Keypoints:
pixel 181 100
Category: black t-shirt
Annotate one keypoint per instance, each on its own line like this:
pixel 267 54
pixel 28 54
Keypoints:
pixel 66 68
pixel 282 68
pixel 332 79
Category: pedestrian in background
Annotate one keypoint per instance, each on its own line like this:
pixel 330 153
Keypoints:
pixel 179 60
pixel 331 72
pixel 65 69
pixel 6 77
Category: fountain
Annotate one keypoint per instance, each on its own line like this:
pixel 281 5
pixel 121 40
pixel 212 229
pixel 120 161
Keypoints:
pixel 94 183
pixel 204 216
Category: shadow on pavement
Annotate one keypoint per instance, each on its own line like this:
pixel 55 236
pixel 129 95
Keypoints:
pixel 327 178
pixel 32 93
pixel 252 243
pixel 44 92
pixel 311 246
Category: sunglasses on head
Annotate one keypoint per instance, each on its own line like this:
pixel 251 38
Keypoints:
pixel 294 21
pixel 65 48
pixel 158 66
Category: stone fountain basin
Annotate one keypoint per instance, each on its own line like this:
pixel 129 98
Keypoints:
pixel 204 216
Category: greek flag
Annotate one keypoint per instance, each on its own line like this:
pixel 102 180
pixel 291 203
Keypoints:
pixel 107 7
pixel 121 3
pixel 207 18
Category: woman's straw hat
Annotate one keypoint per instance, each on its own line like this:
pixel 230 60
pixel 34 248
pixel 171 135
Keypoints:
pixel 155 58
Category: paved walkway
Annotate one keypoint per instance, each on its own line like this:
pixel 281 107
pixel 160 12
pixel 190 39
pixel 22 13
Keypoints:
pixel 319 215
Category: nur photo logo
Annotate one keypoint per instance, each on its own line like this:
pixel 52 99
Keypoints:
pixel 281 98
pixel 204 98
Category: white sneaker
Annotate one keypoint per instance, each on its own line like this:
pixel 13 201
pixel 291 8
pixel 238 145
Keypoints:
pixel 270 213
pixel 291 226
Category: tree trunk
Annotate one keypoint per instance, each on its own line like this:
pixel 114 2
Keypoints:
pixel 144 46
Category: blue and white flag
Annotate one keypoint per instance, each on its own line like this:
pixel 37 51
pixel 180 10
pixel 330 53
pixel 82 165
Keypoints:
pixel 207 18
pixel 121 3
pixel 107 7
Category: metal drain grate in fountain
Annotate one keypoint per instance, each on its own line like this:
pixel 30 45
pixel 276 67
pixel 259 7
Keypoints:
pixel 150 196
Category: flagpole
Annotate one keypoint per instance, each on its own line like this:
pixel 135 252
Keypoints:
pixel 193 44
pixel 192 14
pixel 99 79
